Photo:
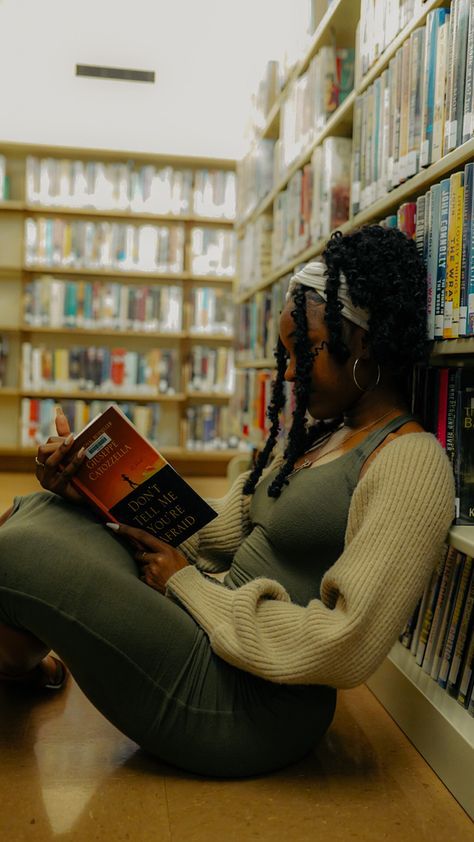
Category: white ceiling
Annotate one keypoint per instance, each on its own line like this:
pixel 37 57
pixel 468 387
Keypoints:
pixel 208 56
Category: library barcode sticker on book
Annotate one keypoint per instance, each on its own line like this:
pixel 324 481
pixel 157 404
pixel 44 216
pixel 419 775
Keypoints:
pixel 97 445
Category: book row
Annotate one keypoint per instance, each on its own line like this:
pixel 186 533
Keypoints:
pixel 212 370
pixel 38 414
pixel 440 634
pixel 314 203
pixel 207 427
pixel 119 246
pixel 100 369
pixel 211 427
pixel 420 107
pixel 250 403
pixel 443 398
pixel 56 302
pixel 309 102
pixel 258 322
pixel 444 231
pixel 380 22
pixel 53 182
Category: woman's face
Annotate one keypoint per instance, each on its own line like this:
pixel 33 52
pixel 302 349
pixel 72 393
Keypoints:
pixel 332 389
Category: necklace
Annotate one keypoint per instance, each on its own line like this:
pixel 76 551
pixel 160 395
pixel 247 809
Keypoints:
pixel 308 462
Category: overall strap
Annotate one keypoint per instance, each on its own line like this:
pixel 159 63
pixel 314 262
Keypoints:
pixel 376 438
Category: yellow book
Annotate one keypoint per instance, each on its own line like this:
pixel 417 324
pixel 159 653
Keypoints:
pixel 452 295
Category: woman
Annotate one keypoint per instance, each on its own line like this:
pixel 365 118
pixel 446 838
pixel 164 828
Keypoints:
pixel 326 553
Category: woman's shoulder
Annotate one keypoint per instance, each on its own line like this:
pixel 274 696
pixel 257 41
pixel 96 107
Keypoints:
pixel 411 427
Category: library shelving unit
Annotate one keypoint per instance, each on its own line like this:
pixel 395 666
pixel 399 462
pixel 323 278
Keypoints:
pixel 16 272
pixel 442 731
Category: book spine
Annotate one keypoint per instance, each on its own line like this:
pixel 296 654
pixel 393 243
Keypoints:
pixel 433 21
pixel 458 74
pixel 450 62
pixel 468 112
pixel 440 90
pixel 467 675
pixel 455 670
pixel 469 242
pixel 465 253
pixel 433 216
pixel 442 251
pixel 417 50
pixel 455 620
pixel 453 258
pixel 439 610
pixel 447 611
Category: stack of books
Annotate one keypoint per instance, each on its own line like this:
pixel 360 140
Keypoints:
pixel 212 311
pixel 213 252
pixel 212 370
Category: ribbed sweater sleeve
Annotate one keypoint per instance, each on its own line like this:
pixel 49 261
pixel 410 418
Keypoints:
pixel 398 520
pixel 214 546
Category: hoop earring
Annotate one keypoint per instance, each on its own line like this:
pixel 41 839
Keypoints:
pixel 354 377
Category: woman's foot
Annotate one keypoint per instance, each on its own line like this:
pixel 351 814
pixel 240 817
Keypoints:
pixel 50 674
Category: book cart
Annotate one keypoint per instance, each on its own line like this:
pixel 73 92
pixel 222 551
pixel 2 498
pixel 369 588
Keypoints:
pixel 438 726
pixel 16 272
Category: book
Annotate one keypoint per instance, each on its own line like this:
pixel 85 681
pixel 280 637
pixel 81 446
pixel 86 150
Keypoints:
pixel 442 252
pixel 434 21
pixel 468 116
pixel 129 481
pixel 464 465
pixel 439 113
pixel 455 670
pixel 456 615
pixel 452 295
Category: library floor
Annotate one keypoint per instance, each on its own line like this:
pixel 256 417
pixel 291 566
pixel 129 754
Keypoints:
pixel 66 774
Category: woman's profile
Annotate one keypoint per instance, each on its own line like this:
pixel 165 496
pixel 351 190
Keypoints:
pixel 325 549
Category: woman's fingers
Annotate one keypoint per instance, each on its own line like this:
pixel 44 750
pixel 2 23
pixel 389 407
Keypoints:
pixel 144 538
pixel 62 424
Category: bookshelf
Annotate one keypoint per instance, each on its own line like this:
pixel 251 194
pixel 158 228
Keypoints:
pixel 441 730
pixel 17 272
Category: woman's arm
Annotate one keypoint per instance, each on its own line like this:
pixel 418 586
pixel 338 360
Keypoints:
pixel 214 546
pixel 399 517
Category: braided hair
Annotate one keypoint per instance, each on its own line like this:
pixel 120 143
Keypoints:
pixel 386 276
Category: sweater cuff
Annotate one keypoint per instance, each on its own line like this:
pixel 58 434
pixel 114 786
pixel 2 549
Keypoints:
pixel 202 595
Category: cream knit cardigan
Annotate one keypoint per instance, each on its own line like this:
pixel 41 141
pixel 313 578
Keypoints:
pixel 398 521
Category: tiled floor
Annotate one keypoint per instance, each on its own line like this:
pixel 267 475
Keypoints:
pixel 67 774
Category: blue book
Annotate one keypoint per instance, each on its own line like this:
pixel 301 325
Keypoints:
pixel 442 252
pixel 466 248
pixel 434 20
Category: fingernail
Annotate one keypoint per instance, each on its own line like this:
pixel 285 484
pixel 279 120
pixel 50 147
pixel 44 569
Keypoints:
pixel 59 410
pixel 69 439
pixel 114 526
pixel 80 452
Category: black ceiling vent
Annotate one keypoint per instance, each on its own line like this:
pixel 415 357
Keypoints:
pixel 122 73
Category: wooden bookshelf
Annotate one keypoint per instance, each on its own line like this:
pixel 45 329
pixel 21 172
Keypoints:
pixel 15 273
pixel 441 730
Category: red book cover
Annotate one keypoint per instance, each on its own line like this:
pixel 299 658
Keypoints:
pixel 117 369
pixel 130 482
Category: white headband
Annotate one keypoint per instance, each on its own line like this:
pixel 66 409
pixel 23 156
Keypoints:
pixel 314 275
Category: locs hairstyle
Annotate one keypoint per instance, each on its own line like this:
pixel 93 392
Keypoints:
pixel 385 276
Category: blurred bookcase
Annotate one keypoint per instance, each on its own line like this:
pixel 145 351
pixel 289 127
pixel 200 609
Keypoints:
pixel 130 225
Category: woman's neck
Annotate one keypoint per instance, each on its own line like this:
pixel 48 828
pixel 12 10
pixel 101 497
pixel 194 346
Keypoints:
pixel 373 406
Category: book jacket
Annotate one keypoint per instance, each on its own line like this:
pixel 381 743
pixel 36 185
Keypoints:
pixel 130 482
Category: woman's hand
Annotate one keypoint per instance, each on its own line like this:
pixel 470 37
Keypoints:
pixel 53 469
pixel 156 559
